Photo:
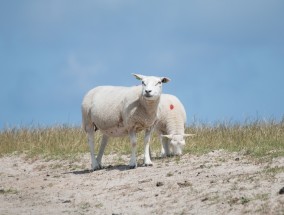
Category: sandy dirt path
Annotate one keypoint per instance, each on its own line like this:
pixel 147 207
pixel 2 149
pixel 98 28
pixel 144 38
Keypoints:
pixel 214 183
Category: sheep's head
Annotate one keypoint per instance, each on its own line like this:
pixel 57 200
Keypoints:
pixel 177 142
pixel 151 86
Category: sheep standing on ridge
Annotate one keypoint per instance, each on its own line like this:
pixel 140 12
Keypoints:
pixel 170 125
pixel 120 111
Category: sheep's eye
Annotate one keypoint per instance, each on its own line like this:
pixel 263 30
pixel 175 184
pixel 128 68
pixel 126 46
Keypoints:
pixel 159 83
pixel 143 83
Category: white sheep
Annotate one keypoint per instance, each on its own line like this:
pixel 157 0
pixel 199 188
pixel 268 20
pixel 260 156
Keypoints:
pixel 170 125
pixel 119 111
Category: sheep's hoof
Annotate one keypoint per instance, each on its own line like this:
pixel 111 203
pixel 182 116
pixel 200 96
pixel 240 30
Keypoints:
pixel 147 164
pixel 132 166
pixel 97 167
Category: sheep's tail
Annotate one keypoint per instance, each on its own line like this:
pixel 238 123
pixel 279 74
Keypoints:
pixel 86 118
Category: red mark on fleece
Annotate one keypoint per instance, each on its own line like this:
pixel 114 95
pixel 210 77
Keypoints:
pixel 172 106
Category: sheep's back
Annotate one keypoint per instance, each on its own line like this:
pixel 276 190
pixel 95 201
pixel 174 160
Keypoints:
pixel 172 116
pixel 106 104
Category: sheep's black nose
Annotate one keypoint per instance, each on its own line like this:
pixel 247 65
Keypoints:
pixel 148 91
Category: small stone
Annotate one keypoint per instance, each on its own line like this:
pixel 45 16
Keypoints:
pixel 281 191
pixel 144 181
pixel 237 159
pixel 169 174
pixel 204 199
pixel 159 184
pixel 184 184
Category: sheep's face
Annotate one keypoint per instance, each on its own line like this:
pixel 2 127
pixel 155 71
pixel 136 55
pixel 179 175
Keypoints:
pixel 151 86
pixel 177 142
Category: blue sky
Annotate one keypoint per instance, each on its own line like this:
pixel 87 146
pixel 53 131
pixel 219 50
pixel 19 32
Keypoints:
pixel 225 58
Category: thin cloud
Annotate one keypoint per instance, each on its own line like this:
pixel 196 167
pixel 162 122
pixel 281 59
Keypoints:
pixel 82 75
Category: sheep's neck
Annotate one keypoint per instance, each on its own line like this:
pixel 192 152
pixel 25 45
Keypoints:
pixel 174 125
pixel 151 106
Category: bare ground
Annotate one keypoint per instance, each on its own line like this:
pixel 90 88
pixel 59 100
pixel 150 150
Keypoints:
pixel 215 183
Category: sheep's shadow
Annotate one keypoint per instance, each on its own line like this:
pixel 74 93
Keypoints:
pixel 120 167
pixel 79 172
pixel 82 172
pixel 123 167
pixel 106 168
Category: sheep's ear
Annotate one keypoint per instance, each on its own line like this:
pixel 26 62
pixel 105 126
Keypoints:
pixel 170 136
pixel 165 79
pixel 188 135
pixel 138 76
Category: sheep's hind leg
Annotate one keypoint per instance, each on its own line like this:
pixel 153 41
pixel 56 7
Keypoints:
pixel 147 159
pixel 95 164
pixel 102 149
pixel 133 140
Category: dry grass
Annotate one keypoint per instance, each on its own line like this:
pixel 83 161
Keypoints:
pixel 258 138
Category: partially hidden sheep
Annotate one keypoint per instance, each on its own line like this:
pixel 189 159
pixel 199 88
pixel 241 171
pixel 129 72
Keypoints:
pixel 170 125
pixel 120 111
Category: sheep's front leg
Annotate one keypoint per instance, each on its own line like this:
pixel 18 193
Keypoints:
pixel 133 140
pixel 165 151
pixel 95 164
pixel 147 159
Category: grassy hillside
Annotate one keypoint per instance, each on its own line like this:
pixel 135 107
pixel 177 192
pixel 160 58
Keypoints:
pixel 257 138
